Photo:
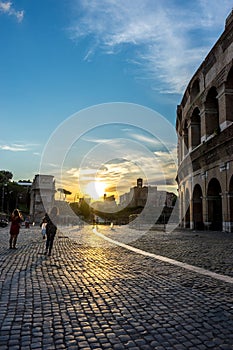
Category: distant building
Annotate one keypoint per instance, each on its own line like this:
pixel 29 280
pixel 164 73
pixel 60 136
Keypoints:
pixel 107 205
pixel 109 198
pixel 43 199
pixel 137 196
pixel 141 195
pixel 27 184
pixel 42 196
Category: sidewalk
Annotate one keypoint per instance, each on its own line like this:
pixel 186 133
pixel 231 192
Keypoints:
pixel 91 294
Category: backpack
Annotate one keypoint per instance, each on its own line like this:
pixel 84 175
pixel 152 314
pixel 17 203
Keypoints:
pixel 51 229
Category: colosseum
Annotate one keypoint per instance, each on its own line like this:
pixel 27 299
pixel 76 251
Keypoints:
pixel 204 128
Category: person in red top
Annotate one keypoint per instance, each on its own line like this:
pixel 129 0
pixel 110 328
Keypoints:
pixel 16 219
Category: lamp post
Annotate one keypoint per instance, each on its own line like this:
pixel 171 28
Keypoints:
pixel 9 193
pixel 3 196
pixel 76 196
pixel 18 198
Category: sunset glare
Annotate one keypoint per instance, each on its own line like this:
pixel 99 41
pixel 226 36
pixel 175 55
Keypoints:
pixel 95 189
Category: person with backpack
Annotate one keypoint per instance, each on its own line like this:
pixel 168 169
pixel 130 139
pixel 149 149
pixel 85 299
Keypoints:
pixel 51 229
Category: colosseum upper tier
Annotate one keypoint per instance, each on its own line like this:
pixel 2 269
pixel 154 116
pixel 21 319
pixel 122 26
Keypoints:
pixel 204 128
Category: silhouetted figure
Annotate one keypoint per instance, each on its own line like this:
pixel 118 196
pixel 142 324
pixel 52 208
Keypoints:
pixel 51 229
pixel 27 222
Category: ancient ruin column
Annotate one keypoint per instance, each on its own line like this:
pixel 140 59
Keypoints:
pixel 225 212
pixel 226 219
pixel 225 98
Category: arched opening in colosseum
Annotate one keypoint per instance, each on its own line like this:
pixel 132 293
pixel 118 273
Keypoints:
pixel 229 96
pixel 231 202
pixel 197 208
pixel 212 112
pixel 195 89
pixel 214 205
pixel 195 128
pixel 187 209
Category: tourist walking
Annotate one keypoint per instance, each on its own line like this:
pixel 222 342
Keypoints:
pixel 16 219
pixel 51 229
pixel 27 222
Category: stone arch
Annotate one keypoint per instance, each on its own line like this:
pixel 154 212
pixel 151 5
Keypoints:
pixel 195 89
pixel 212 112
pixel 231 202
pixel 229 81
pixel 214 205
pixel 187 209
pixel 229 95
pixel 195 128
pixel 198 223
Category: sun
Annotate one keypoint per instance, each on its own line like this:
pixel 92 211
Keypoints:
pixel 95 189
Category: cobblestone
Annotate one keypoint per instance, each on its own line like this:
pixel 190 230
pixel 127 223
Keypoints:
pixel 91 294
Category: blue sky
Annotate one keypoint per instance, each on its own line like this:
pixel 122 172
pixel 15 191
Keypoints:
pixel 59 57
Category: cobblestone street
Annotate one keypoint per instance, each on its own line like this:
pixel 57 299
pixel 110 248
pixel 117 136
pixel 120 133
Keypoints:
pixel 92 294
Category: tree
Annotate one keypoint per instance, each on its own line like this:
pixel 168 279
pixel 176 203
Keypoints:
pixel 16 196
pixel 5 176
pixel 85 210
pixel 12 194
pixel 65 192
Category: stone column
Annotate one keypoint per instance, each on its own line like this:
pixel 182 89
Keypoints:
pixel 226 225
pixel 225 99
pixel 205 201
pixel 181 196
pixel 226 217
pixel 184 143
pixel 230 213
pixel 205 212
pixel 203 126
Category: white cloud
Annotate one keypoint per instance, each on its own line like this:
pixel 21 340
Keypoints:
pixel 164 39
pixel 119 174
pixel 7 8
pixel 13 148
pixel 18 147
pixel 73 172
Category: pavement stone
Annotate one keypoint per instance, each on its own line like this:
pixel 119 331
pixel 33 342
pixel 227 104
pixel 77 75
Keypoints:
pixel 91 294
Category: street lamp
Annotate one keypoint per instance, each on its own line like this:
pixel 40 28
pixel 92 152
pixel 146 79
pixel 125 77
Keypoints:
pixel 76 196
pixel 9 193
pixel 18 198
pixel 3 196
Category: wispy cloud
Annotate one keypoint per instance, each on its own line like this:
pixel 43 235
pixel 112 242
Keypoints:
pixel 167 39
pixel 18 147
pixel 7 8
pixel 14 148
pixel 119 174
pixel 152 142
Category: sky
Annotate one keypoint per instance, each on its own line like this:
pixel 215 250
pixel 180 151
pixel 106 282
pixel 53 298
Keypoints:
pixel 67 65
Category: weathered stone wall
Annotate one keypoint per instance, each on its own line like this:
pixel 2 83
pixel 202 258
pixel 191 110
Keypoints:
pixel 42 196
pixel 205 140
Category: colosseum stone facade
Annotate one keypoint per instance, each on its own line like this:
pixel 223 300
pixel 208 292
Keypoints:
pixel 204 127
